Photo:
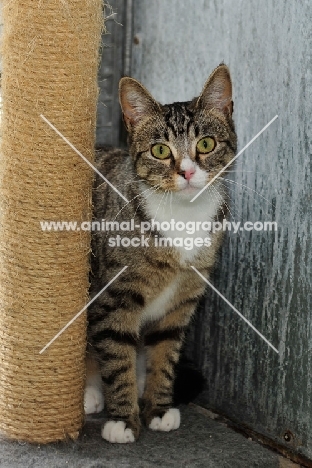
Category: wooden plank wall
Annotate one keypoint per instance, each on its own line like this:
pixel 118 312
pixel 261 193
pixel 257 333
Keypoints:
pixel 265 275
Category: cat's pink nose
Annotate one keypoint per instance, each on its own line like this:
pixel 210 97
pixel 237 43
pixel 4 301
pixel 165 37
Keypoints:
pixel 188 173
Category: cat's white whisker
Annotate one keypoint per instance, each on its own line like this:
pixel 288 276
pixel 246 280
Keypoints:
pixel 211 194
pixel 249 188
pixel 234 171
pixel 223 201
pixel 159 204
pixel 134 180
pixel 227 188
pixel 219 197
pixel 155 215
pixel 152 190
pixel 130 201
pixel 167 196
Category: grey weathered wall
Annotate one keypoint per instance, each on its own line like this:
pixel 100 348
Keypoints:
pixel 114 65
pixel 267 276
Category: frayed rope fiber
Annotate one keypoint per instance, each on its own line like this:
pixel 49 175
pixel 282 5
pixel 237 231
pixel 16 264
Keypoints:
pixel 50 61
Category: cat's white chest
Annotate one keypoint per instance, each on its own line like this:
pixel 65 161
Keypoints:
pixel 177 211
pixel 158 307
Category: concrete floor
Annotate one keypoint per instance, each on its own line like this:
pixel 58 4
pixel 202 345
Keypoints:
pixel 200 442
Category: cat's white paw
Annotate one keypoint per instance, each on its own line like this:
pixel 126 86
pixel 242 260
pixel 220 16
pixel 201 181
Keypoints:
pixel 170 421
pixel 115 431
pixel 93 400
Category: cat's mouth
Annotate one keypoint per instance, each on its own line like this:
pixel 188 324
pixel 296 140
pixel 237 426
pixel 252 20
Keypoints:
pixel 191 185
pixel 189 191
pixel 190 188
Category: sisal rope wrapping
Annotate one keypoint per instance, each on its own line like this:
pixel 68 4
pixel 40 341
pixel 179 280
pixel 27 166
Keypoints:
pixel 50 61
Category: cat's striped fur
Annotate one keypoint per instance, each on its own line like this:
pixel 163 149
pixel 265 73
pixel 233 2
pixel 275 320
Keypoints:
pixel 150 305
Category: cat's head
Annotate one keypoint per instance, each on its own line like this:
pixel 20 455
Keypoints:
pixel 180 146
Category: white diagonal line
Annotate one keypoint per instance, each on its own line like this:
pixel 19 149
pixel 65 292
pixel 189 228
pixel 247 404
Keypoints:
pixel 235 310
pixel 232 160
pixel 82 310
pixel 83 157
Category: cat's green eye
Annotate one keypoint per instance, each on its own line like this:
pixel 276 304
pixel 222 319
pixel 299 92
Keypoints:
pixel 205 145
pixel 161 151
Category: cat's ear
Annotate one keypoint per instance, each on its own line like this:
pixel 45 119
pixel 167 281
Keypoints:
pixel 136 102
pixel 217 92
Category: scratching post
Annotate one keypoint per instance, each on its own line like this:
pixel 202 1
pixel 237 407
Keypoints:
pixel 50 58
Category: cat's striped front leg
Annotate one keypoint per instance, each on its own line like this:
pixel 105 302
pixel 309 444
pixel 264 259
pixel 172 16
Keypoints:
pixel 163 343
pixel 163 349
pixel 117 353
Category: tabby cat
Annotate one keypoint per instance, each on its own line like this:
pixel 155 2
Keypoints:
pixel 136 326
